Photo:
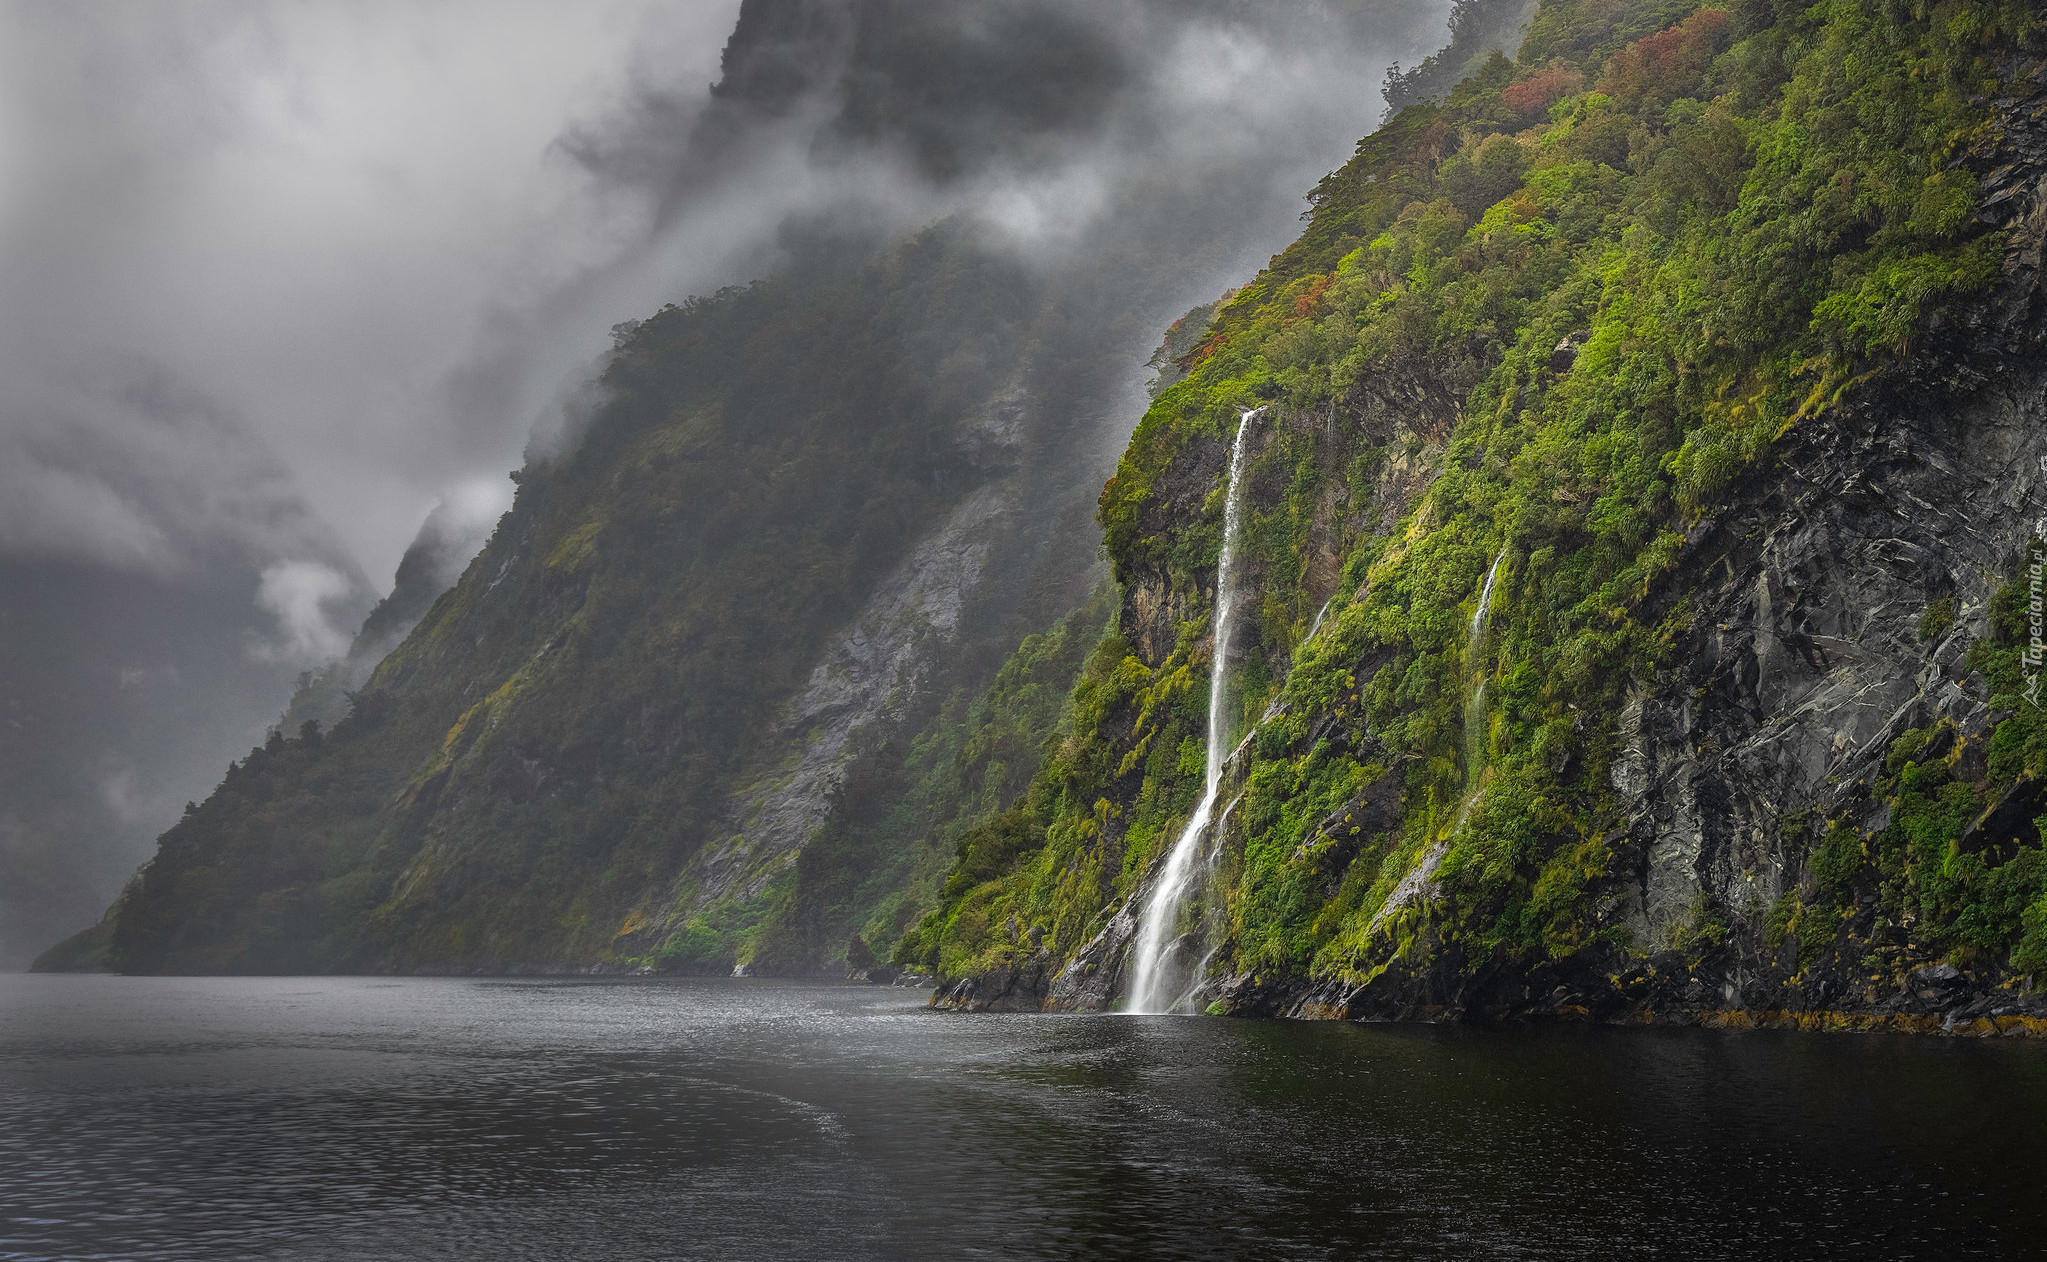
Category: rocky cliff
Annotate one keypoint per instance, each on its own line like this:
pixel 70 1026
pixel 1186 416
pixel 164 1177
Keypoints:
pixel 1714 336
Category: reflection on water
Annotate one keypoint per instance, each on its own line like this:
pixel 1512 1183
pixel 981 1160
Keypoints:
pixel 369 1118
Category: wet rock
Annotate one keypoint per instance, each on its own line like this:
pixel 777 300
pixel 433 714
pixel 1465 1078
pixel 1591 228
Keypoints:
pixel 1021 987
pixel 1565 356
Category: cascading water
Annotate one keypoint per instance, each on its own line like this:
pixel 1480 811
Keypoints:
pixel 1149 990
pixel 1485 599
pixel 1316 625
pixel 1418 877
pixel 1474 701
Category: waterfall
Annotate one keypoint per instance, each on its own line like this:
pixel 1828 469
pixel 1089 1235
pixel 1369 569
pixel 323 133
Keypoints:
pixel 1316 625
pixel 1485 600
pixel 1416 882
pixel 1474 701
pixel 1149 991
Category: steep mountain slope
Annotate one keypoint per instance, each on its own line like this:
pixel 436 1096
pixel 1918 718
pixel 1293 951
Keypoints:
pixel 1661 417
pixel 730 675
pixel 529 755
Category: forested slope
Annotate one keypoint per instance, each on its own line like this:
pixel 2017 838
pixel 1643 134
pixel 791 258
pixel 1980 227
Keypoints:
pixel 1712 333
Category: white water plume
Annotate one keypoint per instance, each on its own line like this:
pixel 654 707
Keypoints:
pixel 1485 600
pixel 1316 625
pixel 1149 991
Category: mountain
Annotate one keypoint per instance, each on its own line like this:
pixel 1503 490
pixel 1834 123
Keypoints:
pixel 1634 607
pixel 447 539
pixel 798 594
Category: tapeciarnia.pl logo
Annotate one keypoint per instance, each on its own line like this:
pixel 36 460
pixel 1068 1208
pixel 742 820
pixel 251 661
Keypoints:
pixel 2036 609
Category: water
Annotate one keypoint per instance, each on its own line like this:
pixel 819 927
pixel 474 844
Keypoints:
pixel 1150 990
pixel 1485 599
pixel 1418 877
pixel 1474 703
pixel 158 1118
pixel 1316 625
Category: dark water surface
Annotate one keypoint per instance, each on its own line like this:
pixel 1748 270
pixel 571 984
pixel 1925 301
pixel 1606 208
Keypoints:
pixel 363 1118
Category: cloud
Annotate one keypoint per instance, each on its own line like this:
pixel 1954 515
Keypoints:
pixel 116 461
pixel 303 596
pixel 314 214
pixel 1030 114
pixel 391 237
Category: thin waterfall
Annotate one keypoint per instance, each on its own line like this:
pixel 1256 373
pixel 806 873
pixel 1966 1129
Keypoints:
pixel 1474 701
pixel 1149 991
pixel 1485 599
pixel 1418 877
pixel 1316 625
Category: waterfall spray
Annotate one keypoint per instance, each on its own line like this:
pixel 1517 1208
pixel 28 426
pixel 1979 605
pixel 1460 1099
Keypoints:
pixel 1149 991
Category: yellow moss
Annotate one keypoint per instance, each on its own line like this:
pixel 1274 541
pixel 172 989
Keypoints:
pixel 576 548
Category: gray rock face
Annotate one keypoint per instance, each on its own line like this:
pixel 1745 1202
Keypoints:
pixel 1805 658
pixel 866 680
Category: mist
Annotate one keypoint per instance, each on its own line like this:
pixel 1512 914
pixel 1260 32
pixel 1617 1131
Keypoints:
pixel 279 280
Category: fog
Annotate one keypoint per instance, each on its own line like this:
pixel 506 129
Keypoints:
pixel 277 279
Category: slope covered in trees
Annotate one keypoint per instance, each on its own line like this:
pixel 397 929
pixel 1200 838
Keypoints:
pixel 1713 330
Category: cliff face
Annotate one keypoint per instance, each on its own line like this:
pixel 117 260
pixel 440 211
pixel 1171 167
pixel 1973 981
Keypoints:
pixel 605 746
pixel 1749 731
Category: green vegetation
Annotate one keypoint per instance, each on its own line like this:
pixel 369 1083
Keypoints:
pixel 1960 872
pixel 1547 320
pixel 1638 255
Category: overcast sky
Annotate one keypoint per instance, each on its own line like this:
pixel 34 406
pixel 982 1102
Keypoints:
pixel 251 249
pixel 277 277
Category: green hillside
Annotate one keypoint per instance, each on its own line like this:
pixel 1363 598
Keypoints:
pixel 1570 319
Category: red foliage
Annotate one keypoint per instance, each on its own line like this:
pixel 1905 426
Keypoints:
pixel 1539 88
pixel 1193 358
pixel 1312 297
pixel 1669 64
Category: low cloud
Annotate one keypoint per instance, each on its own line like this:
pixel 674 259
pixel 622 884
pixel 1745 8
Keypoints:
pixel 312 605
pixel 390 239
pixel 117 461
pixel 320 217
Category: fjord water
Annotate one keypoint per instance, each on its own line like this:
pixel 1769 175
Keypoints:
pixel 367 1118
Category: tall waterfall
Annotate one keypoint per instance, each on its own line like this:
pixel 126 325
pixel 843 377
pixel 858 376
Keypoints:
pixel 1149 989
